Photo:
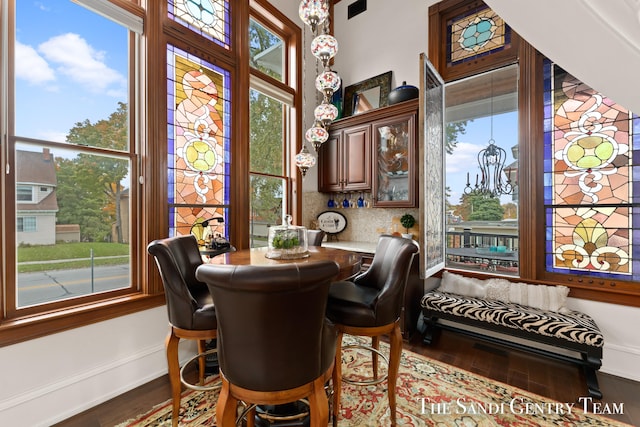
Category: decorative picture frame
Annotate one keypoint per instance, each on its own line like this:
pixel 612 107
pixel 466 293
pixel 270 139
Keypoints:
pixel 367 95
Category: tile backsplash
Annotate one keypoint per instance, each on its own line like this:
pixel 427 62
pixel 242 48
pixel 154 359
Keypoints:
pixel 363 224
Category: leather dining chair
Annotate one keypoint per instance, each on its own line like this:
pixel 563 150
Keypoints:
pixel 370 305
pixel 314 237
pixel 189 306
pixel 275 345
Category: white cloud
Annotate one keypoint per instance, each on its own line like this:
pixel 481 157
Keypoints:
pixel 464 158
pixel 79 61
pixel 32 67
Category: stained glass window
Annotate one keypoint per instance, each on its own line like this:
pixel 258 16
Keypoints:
pixel 198 120
pixel 209 18
pixel 475 34
pixel 591 202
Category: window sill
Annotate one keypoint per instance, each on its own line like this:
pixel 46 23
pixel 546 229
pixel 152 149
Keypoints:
pixel 23 329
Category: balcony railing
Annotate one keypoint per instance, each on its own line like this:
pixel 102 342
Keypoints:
pixel 483 251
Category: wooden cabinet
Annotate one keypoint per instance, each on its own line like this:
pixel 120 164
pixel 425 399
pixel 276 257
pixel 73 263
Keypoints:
pixel 395 161
pixel 374 151
pixel 345 160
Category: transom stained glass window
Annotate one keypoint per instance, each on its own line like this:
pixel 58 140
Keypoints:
pixel 198 120
pixel 591 202
pixel 209 18
pixel 475 34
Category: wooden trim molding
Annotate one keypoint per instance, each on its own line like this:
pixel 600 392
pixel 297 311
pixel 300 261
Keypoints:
pixel 24 329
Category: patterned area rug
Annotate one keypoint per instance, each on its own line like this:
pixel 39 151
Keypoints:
pixel 429 393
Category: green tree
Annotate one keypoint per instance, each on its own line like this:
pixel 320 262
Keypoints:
pixel 266 133
pixel 89 186
pixel 452 130
pixel 510 211
pixel 476 207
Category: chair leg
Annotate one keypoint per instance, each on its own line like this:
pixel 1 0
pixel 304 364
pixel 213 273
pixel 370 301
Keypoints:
pixel 227 407
pixel 375 343
pixel 251 417
pixel 337 379
pixel 202 348
pixel 318 405
pixel 394 367
pixel 171 344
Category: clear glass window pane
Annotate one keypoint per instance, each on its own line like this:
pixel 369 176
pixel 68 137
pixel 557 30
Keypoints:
pixel 75 240
pixel 267 148
pixel 24 193
pixel 267 206
pixel 70 73
pixel 482 228
pixel 266 51
pixel 26 224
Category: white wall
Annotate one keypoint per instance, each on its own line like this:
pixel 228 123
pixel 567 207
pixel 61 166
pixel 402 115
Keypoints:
pixel 47 380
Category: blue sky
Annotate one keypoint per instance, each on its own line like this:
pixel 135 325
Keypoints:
pixel 464 157
pixel 71 65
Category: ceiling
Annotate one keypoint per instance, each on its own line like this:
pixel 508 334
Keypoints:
pixel 597 41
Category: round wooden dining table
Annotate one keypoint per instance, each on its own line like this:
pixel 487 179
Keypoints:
pixel 349 262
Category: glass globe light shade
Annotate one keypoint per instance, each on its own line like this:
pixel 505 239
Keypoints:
pixel 325 113
pixel 328 82
pixel 324 47
pixel 305 160
pixel 316 135
pixel 313 12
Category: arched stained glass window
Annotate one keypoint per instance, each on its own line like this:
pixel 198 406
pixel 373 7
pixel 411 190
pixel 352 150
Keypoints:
pixel 209 18
pixel 198 120
pixel 591 202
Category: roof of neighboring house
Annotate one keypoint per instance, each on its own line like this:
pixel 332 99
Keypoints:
pixel 35 167
pixel 49 203
pixel 67 228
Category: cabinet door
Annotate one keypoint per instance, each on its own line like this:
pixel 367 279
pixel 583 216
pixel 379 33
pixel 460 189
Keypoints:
pixel 394 162
pixel 329 158
pixel 356 161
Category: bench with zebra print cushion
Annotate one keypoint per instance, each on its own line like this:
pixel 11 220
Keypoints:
pixel 573 331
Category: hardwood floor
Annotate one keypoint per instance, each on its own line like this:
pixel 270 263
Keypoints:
pixel 553 379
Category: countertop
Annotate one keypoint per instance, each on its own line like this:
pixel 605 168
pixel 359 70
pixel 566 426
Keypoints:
pixel 364 247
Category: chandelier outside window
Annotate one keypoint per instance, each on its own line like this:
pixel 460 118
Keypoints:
pixel 494 180
pixel 324 47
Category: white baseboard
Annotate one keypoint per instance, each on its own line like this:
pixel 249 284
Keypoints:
pixel 621 361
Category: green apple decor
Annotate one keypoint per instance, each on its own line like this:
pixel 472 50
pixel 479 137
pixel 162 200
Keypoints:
pixel 407 221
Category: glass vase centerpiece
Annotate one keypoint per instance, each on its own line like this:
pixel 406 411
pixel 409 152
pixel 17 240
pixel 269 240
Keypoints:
pixel 287 241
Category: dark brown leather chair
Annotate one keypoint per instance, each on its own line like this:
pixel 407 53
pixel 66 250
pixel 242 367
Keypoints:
pixel 189 305
pixel 370 306
pixel 314 237
pixel 275 344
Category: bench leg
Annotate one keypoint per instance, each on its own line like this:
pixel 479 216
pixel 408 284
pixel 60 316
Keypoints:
pixel 591 365
pixel 430 327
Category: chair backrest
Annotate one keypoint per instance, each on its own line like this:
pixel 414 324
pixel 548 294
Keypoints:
pixel 272 330
pixel 388 273
pixel 177 259
pixel 314 237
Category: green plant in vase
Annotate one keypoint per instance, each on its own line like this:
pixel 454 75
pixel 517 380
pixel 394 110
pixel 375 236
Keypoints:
pixel 407 221
pixel 285 240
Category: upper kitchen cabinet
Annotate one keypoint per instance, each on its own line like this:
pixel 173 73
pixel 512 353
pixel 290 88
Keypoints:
pixel 345 159
pixel 374 151
pixel 395 161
